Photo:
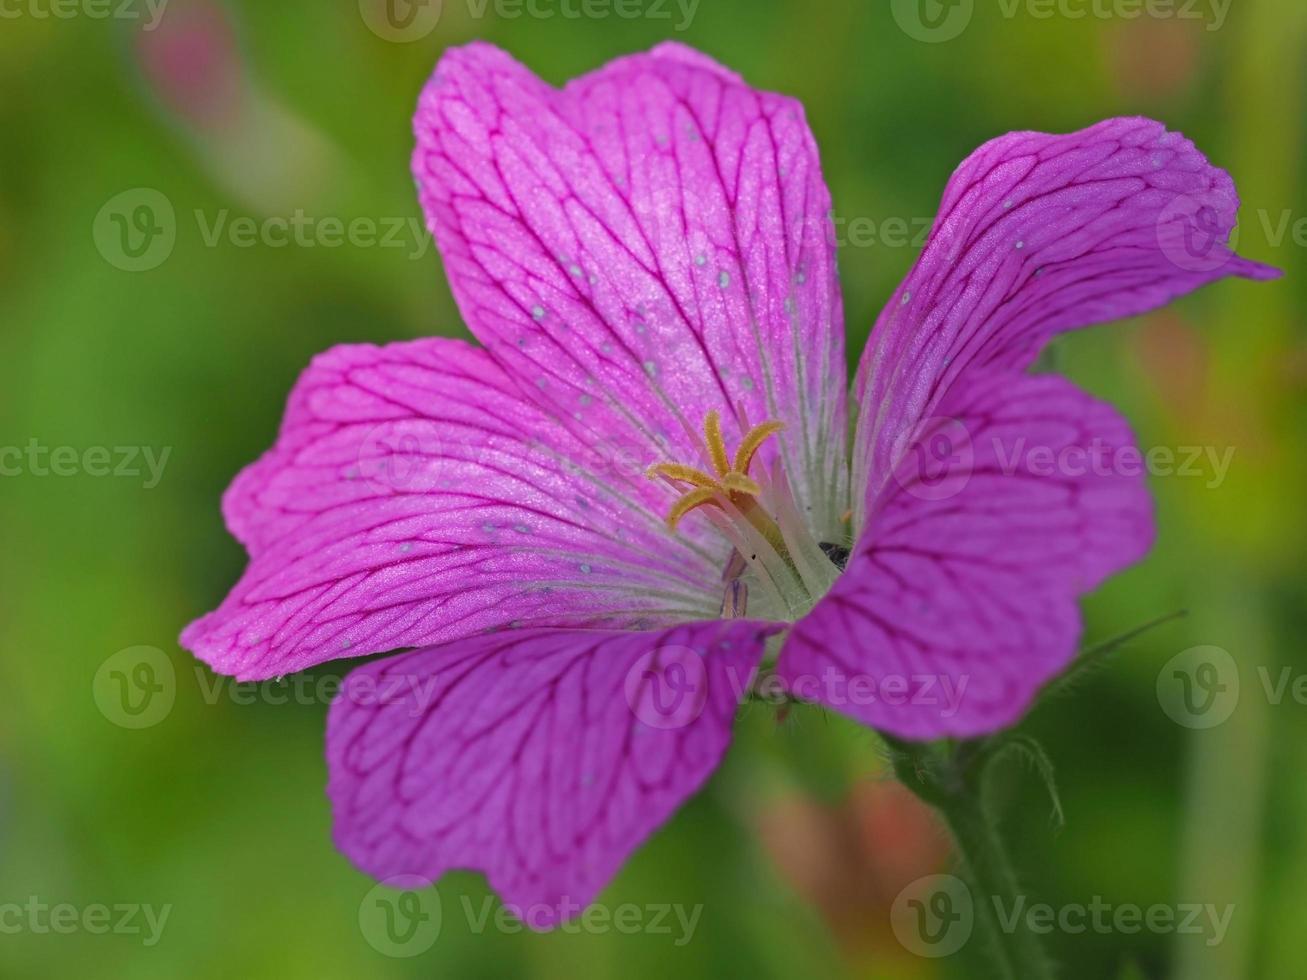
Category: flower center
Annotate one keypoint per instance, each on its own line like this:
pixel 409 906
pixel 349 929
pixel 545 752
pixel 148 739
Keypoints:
pixel 774 549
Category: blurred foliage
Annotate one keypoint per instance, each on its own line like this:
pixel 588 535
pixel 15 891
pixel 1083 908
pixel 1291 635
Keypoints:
pixel 218 810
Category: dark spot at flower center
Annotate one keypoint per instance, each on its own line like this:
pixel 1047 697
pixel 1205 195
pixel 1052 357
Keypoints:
pixel 836 553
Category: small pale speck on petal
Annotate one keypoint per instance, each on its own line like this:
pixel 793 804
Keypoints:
pixel 537 312
pixel 650 368
pixel 701 259
pixel 585 569
pixel 907 298
pixel 1021 245
pixel 723 279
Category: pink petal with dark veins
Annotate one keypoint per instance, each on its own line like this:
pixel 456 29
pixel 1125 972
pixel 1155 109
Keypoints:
pixel 1038 234
pixel 540 757
pixel 647 244
pixel 414 497
pixel 959 601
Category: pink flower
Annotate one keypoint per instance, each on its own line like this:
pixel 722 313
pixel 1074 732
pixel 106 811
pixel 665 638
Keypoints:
pixel 556 522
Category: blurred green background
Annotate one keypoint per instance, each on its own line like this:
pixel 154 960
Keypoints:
pixel 799 846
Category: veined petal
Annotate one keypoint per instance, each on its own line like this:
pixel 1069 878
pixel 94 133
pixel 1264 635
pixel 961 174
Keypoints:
pixel 651 243
pixel 540 757
pixel 1038 234
pixel 959 601
pixel 414 497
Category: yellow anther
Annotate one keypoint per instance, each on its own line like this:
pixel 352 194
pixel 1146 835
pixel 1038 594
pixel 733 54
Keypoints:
pixel 753 440
pixel 731 482
pixel 683 474
pixel 712 430
pixel 691 500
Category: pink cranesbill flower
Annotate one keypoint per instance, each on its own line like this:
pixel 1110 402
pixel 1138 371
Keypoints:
pixel 649 479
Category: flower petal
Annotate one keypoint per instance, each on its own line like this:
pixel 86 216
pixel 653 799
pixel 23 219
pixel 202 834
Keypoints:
pixel 648 244
pixel 1038 234
pixel 959 601
pixel 541 757
pixel 413 497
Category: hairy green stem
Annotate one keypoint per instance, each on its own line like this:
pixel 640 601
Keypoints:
pixel 951 779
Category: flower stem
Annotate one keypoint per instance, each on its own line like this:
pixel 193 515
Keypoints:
pixel 951 780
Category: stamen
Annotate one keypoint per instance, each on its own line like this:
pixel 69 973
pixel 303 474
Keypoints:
pixel 712 430
pixel 685 474
pixel 691 500
pixel 753 440
pixel 773 546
